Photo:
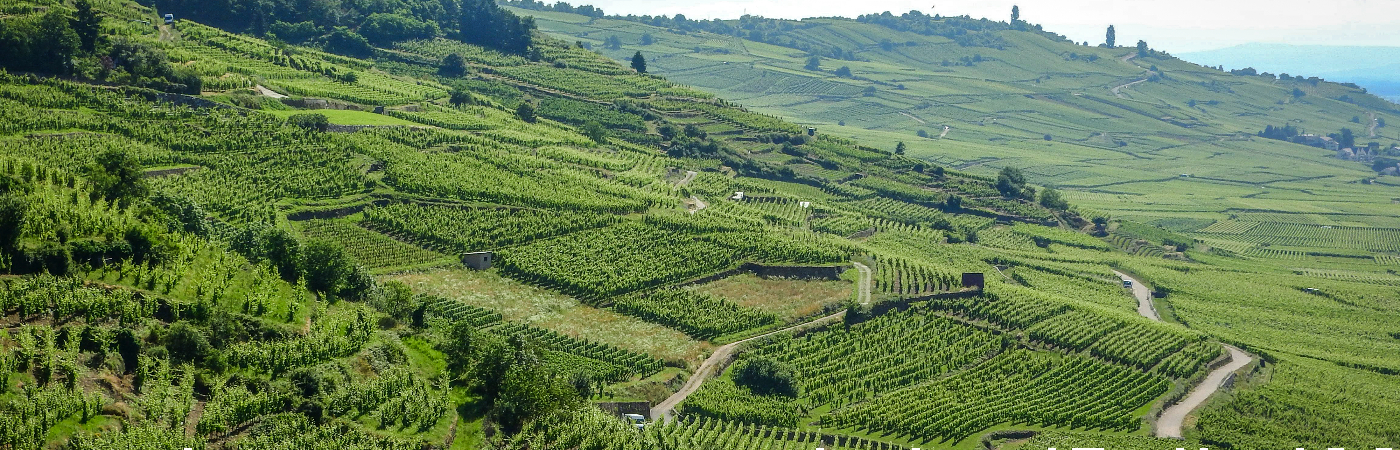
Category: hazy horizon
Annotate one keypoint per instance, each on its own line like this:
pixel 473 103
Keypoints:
pixel 1176 27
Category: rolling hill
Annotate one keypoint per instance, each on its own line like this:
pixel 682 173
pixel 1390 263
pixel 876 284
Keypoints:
pixel 215 236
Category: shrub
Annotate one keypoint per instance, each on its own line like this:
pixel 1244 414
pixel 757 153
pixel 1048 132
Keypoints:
pixel 310 121
pixel 766 377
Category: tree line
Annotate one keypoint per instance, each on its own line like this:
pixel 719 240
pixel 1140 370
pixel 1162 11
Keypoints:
pixel 349 27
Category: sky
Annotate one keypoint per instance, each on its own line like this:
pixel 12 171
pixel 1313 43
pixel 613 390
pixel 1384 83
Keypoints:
pixel 1175 26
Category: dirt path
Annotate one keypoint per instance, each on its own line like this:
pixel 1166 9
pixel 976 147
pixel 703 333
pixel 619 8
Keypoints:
pixel 1169 424
pixel 1374 124
pixel 192 420
pixel 916 119
pixel 689 176
pixel 268 92
pixel 699 204
pixel 946 129
pixel 710 367
pixel 1117 90
pixel 863 292
pixel 1144 297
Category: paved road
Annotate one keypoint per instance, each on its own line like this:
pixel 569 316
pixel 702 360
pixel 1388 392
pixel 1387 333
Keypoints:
pixel 1144 297
pixel 1169 424
pixel 268 92
pixel 1170 421
pixel 709 368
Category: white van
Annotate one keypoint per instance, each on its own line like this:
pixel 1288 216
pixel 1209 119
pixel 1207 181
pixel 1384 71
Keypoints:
pixel 636 420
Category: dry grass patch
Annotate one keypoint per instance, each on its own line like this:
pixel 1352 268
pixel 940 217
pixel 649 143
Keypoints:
pixel 788 299
pixel 528 304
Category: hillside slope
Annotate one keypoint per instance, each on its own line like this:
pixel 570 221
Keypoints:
pixel 1147 138
pixel 292 258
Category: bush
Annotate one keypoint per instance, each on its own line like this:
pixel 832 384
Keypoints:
pixel 766 377
pixel 186 343
pixel 310 121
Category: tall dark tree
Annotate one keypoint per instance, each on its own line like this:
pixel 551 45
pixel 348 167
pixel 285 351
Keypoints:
pixel 87 25
pixel 899 148
pixel 1011 182
pixel 814 63
pixel 486 24
pixel 639 63
pixel 526 112
pixel 452 66
pixel 13 209
pixel 1142 49
pixel 1111 40
pixel 117 175
pixel 1015 13
pixel 55 44
pixel 327 267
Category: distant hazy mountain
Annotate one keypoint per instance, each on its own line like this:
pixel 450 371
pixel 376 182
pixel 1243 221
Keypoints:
pixel 1376 68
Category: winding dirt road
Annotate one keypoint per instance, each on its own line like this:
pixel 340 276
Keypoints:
pixel 1117 90
pixel 1169 423
pixel 1144 297
pixel 710 367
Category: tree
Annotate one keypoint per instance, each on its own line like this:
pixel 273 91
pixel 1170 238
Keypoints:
pixel 843 72
pixel 460 347
pixel 117 176
pixel 1015 13
pixel 639 63
pixel 1347 139
pixel 526 112
pixel 899 148
pixel 460 97
pixel 87 25
pixel 326 267
pixel 613 42
pixel 765 376
pixel 596 132
pixel 453 66
pixel 647 39
pixel 1111 40
pixel 1142 49
pixel 386 29
pixel 53 48
pixel 13 209
pixel 814 63
pixel 1052 199
pixel 1011 182
pixel 284 252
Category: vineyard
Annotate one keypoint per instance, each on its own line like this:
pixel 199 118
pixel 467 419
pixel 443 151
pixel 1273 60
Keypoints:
pixel 700 315
pixel 1018 387
pixel 840 366
pixel 371 249
pixel 461 230
pixel 215 239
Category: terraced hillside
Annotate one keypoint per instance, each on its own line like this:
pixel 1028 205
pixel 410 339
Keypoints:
pixel 214 239
pixel 1142 137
